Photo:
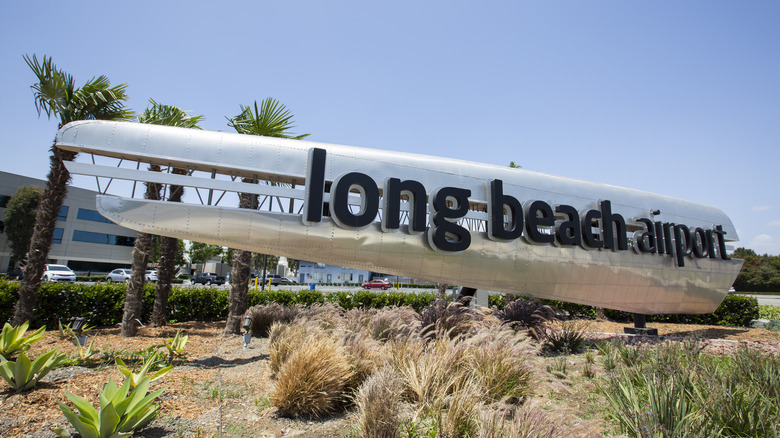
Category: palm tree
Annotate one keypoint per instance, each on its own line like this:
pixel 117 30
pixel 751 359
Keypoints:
pixel 270 119
pixel 156 114
pixel 57 96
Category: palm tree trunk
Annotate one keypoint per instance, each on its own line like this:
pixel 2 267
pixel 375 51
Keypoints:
pixel 239 290
pixel 442 288
pixel 167 270
pixel 45 221
pixel 135 288
pixel 239 281
pixel 165 274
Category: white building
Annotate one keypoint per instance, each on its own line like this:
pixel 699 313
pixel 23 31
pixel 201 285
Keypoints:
pixel 83 239
pixel 310 272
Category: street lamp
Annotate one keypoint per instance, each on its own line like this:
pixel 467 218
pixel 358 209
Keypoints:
pixel 77 326
pixel 247 323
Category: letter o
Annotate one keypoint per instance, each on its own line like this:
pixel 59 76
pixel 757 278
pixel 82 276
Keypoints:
pixel 339 200
pixel 699 243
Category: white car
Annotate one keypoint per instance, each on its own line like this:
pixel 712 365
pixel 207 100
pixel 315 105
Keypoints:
pixel 119 275
pixel 151 275
pixel 58 273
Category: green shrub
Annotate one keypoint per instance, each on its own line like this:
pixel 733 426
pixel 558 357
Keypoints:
pixel 565 337
pixel 572 310
pixel 498 301
pixel 768 312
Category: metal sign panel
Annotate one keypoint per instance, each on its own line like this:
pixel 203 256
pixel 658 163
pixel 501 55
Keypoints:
pixel 452 221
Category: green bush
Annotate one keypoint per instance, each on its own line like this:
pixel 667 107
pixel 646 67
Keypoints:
pixel 735 310
pixel 102 304
pixel 768 312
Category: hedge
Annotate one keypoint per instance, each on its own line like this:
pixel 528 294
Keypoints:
pixel 735 311
pixel 102 304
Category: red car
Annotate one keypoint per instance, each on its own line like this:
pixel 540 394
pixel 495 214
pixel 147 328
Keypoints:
pixel 376 284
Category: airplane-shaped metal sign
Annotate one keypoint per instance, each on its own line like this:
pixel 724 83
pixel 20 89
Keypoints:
pixel 431 218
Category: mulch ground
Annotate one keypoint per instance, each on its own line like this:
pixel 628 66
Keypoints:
pixel 219 365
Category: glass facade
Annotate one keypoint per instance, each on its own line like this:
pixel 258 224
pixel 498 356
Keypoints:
pixel 91 215
pixel 102 238
pixel 57 236
pixel 63 213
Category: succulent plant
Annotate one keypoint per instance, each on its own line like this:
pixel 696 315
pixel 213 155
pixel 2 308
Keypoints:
pixel 22 374
pixel 13 340
pixel 122 411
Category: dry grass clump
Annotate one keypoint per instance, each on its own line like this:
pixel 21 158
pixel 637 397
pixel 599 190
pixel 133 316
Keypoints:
pixel 365 356
pixel 500 360
pixel 264 315
pixel 457 411
pixel 532 421
pixel 444 368
pixel 429 370
pixel 312 381
pixel 327 316
pixel 284 339
pixel 393 322
pixel 445 316
pixel 379 402
pixel 527 315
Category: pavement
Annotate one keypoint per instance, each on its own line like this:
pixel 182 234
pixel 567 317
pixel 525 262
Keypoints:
pixel 767 300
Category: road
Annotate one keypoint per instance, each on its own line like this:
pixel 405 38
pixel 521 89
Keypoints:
pixel 767 300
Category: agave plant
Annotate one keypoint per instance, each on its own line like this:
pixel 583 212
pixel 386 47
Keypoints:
pixel 176 345
pixel 14 341
pixel 23 374
pixel 148 364
pixel 122 411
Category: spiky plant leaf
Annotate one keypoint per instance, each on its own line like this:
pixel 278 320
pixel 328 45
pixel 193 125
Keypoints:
pixel 23 374
pixel 121 411
pixel 14 341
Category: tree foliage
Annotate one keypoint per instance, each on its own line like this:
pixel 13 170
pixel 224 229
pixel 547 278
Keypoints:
pixel 167 115
pixel 271 119
pixel 19 219
pixel 56 95
pixel 760 273
pixel 201 252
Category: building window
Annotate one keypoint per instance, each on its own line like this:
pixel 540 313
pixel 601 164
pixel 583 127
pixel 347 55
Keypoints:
pixel 57 236
pixel 63 213
pixel 102 238
pixel 4 200
pixel 91 215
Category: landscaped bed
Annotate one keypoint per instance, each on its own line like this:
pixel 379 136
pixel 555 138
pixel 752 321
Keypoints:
pixel 220 384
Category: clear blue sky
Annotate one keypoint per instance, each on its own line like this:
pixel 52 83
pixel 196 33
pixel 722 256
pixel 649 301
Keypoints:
pixel 676 98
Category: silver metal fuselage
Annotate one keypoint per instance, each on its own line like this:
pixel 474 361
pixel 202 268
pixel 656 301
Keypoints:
pixel 629 280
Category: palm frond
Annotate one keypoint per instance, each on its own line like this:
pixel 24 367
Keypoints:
pixel 56 95
pixel 271 119
pixel 168 115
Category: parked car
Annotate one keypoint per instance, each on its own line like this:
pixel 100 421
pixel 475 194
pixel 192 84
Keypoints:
pixel 119 275
pixel 208 278
pixel 281 280
pixel 377 284
pixel 732 290
pixel 151 275
pixel 58 273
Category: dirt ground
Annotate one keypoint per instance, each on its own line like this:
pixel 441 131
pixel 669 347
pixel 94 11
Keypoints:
pixel 191 405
